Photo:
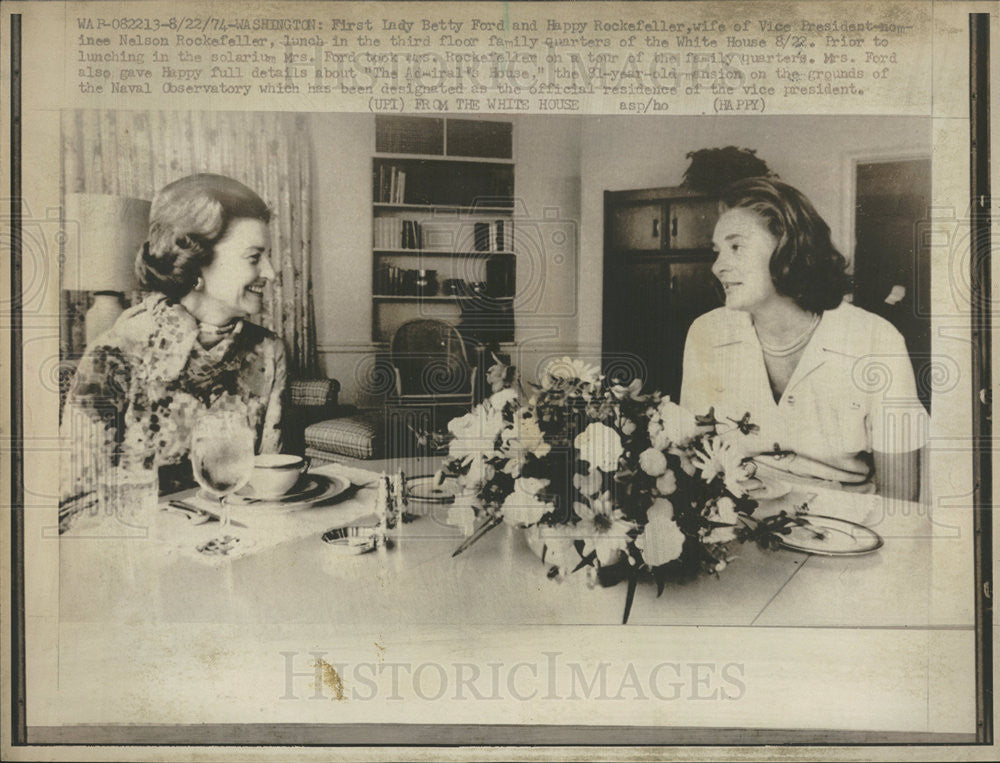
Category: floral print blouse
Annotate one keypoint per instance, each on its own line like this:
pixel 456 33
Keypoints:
pixel 140 388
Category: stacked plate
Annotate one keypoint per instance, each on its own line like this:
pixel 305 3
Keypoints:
pixel 310 489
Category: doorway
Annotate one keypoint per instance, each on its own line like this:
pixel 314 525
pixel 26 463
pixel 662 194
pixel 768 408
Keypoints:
pixel 891 261
pixel 657 280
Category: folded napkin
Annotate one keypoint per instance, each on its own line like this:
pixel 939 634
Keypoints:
pixel 352 473
pixel 854 507
pixel 795 467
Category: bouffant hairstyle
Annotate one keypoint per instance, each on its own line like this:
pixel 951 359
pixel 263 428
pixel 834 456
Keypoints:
pixel 805 266
pixel 187 218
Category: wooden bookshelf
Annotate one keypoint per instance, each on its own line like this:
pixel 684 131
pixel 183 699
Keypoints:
pixel 443 225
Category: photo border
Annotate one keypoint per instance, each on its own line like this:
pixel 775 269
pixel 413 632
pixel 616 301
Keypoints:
pixel 979 66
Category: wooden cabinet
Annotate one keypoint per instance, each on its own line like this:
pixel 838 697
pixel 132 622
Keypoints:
pixel 691 223
pixel 637 227
pixel 657 280
pixel 443 225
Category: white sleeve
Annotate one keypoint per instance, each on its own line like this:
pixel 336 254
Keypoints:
pixel 898 422
pixel 695 396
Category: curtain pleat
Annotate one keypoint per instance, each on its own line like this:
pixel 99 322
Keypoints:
pixel 135 153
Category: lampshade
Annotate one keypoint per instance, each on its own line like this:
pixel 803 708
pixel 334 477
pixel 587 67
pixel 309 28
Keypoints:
pixel 103 234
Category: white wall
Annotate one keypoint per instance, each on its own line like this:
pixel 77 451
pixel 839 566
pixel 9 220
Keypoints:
pixel 547 229
pixel 547 185
pixel 342 147
pixel 563 166
pixel 812 153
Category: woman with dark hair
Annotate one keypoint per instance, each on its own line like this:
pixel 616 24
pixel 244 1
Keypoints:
pixel 829 387
pixel 186 348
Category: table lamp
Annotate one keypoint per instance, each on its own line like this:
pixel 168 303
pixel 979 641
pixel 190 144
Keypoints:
pixel 103 235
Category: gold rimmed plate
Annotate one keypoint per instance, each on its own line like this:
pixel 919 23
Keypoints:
pixel 829 536
pixel 311 488
pixel 425 489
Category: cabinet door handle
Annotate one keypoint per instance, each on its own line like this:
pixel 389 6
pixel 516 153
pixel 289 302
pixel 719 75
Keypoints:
pixel 673 286
pixel 656 227
pixel 673 228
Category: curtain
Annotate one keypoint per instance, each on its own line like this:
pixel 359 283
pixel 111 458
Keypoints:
pixel 135 153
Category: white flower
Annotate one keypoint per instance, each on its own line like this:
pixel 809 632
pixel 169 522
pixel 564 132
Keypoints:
pixel 724 514
pixel 666 484
pixel 602 528
pixel 513 466
pixel 463 517
pixel 588 484
pixel 523 437
pixel 499 399
pixel 570 369
pixel 662 540
pixel 722 534
pixel 669 424
pixel 685 461
pixel 721 458
pixel 479 473
pixel 726 511
pixel 523 507
pixel 526 437
pixel 653 462
pixel 560 546
pixel 674 424
pixel 475 432
pixel 620 391
pixel 600 446
pixel 657 434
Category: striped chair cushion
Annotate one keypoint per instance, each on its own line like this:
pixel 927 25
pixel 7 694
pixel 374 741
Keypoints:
pixel 360 436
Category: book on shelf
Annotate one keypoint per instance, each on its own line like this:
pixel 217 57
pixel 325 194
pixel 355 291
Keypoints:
pixel 481 234
pixel 500 275
pixel 491 237
pixel 390 185
pixel 394 233
pixel 389 281
pixel 411 235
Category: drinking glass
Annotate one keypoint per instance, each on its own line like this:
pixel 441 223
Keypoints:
pixel 222 454
pixel 129 493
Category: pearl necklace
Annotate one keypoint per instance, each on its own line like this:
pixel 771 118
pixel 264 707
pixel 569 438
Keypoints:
pixel 778 351
pixel 213 330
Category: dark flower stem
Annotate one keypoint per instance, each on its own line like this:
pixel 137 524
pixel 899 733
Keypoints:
pixel 484 528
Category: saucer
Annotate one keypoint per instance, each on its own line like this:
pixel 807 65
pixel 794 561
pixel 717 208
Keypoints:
pixel 425 489
pixel 310 488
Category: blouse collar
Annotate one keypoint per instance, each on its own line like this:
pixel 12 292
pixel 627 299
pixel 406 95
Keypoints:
pixel 173 337
pixel 829 339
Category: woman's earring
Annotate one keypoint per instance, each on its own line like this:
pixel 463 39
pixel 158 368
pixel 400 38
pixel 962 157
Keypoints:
pixel 199 284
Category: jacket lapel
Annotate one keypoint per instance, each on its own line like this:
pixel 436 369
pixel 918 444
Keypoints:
pixel 174 333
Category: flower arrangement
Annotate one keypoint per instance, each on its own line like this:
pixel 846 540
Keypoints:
pixel 610 480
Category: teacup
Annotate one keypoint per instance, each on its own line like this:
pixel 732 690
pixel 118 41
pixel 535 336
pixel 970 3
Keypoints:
pixel 274 474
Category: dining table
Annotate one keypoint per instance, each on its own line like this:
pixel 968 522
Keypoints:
pixel 291 574
pixel 148 628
